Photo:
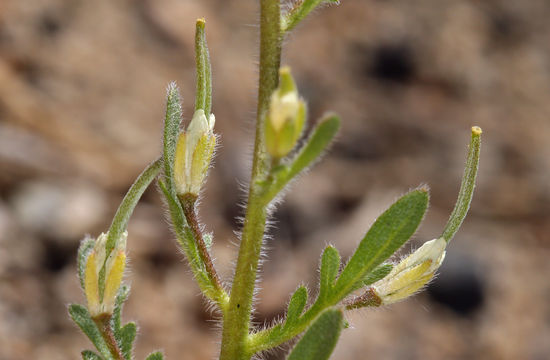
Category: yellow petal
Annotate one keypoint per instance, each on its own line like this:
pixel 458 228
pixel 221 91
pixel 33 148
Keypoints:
pixel 113 281
pixel 91 288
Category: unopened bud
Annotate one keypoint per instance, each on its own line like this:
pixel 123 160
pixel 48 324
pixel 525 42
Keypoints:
pixel 194 152
pixel 412 273
pixel 101 288
pixel 286 117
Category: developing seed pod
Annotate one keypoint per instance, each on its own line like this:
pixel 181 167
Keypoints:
pixel 286 117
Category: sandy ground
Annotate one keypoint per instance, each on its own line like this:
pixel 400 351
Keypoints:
pixel 82 87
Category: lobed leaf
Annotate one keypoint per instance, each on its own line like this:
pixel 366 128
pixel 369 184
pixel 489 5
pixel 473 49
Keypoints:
pixel 126 339
pixel 81 317
pixel 320 339
pixel 330 264
pixel 388 233
pixel 296 306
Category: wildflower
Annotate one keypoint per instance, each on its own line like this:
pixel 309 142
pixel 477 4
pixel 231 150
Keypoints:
pixel 285 118
pixel 194 152
pixel 412 273
pixel 103 275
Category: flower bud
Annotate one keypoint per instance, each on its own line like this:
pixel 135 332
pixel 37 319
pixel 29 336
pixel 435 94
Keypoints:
pixel 194 152
pixel 101 287
pixel 286 117
pixel 412 273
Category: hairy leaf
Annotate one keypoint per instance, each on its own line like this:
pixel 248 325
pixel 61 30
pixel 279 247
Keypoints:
pixel 126 339
pixel 81 317
pixel 296 306
pixel 330 264
pixel 171 131
pixel 388 233
pixel 320 339
pixel 377 274
pixel 203 97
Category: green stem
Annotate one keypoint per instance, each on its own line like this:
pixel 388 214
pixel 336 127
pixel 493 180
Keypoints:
pixel 466 188
pixel 236 325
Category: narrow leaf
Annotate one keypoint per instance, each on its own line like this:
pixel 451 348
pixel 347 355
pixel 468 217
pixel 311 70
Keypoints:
pixel 90 355
pixel 126 339
pixel 81 317
pixel 299 12
pixel 321 136
pixel 203 97
pixel 388 233
pixel 320 339
pixel 171 131
pixel 330 264
pixel 296 306
pixel 466 188
pixel 155 356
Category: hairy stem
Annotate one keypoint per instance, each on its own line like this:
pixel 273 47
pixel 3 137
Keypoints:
pixel 103 323
pixel 237 319
pixel 190 211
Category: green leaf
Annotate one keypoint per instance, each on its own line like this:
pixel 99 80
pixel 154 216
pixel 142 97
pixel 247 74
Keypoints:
pixel 203 97
pixel 81 317
pixel 86 245
pixel 296 306
pixel 90 355
pixel 126 339
pixel 155 356
pixel 171 132
pixel 122 296
pixel 320 339
pixel 388 233
pixel 467 186
pixel 320 138
pixel 377 274
pixel 330 264
pixel 299 12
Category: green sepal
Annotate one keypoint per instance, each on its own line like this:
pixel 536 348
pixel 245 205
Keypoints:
pixel 330 264
pixel 296 306
pixel 126 338
pixel 203 96
pixel 86 246
pixel 299 12
pixel 155 356
pixel 172 123
pixel 90 355
pixel 81 317
pixel 122 296
pixel 320 339
pixel 388 233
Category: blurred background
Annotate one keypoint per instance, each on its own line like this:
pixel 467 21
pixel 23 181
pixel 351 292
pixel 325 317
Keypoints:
pixel 82 87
